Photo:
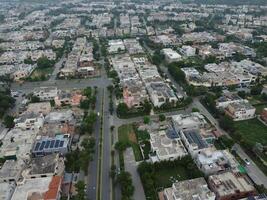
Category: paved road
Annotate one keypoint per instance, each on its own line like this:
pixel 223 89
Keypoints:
pixel 252 169
pixel 28 87
pixel 131 167
pixel 58 65
pixel 93 165
pixel 106 159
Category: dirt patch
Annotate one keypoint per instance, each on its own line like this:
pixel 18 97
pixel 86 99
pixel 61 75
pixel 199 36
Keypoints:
pixel 132 137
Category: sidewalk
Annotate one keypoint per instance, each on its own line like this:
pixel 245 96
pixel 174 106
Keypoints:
pixel 131 167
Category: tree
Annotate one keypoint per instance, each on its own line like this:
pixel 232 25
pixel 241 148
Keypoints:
pixel 125 181
pixel 121 146
pixel 85 104
pixel 87 92
pixel 9 121
pixel 88 122
pixel 44 62
pixel 35 99
pixel 227 123
pixel 256 90
pixel 162 117
pixel 146 120
pixel 122 109
pixel 242 94
pixel 195 110
pixel 147 107
pixel 80 188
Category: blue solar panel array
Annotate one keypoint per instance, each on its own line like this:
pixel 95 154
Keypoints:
pixel 48 144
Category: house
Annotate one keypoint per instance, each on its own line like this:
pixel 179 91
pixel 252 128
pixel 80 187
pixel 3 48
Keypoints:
pixel 195 120
pixel 193 141
pixel 116 46
pixel 17 144
pixel 188 190
pixel 49 165
pixel 160 93
pixel 211 161
pixel 68 98
pixel 231 186
pixel 29 121
pixel 44 188
pixel 11 170
pixel 228 98
pixel 6 190
pixel 46 93
pixel 188 51
pixel 240 111
pixel 171 55
pixel 167 145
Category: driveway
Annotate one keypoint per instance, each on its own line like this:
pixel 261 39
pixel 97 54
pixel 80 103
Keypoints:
pixel 131 167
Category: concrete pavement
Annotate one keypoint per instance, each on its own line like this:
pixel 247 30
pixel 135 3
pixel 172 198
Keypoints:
pixel 252 169
pixel 131 167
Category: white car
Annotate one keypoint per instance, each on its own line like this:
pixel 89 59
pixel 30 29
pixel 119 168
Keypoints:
pixel 247 161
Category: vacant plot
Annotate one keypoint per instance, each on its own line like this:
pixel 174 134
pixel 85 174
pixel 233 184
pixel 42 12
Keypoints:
pixel 40 74
pixel 127 135
pixel 252 131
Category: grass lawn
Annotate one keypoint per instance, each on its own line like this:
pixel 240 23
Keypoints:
pixel 40 73
pixel 165 177
pixel 126 134
pixel 252 130
pixel 260 107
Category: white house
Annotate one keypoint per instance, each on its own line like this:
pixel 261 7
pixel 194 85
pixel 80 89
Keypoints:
pixel 29 121
pixel 240 111
pixel 171 55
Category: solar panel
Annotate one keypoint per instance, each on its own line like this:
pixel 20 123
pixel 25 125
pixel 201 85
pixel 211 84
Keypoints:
pixel 37 146
pixel 61 143
pixel 42 146
pixel 57 143
pixel 52 144
pixel 47 144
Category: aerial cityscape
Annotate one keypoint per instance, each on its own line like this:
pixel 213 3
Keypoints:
pixel 133 100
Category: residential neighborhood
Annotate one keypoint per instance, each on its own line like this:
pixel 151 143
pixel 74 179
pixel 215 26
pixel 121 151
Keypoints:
pixel 133 100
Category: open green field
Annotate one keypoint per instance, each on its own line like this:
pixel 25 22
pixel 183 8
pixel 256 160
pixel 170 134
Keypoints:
pixel 165 177
pixel 126 134
pixel 41 74
pixel 252 130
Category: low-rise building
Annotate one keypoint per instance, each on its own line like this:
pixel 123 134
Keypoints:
pixel 46 188
pixel 240 111
pixel 211 161
pixel 171 55
pixel 116 46
pixel 11 170
pixel 49 165
pixel 167 145
pixel 68 98
pixel 228 98
pixel 231 186
pixel 194 120
pixel 188 190
pixel 6 190
pixel 160 93
pixel 46 93
pixel 29 121
pixel 188 51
